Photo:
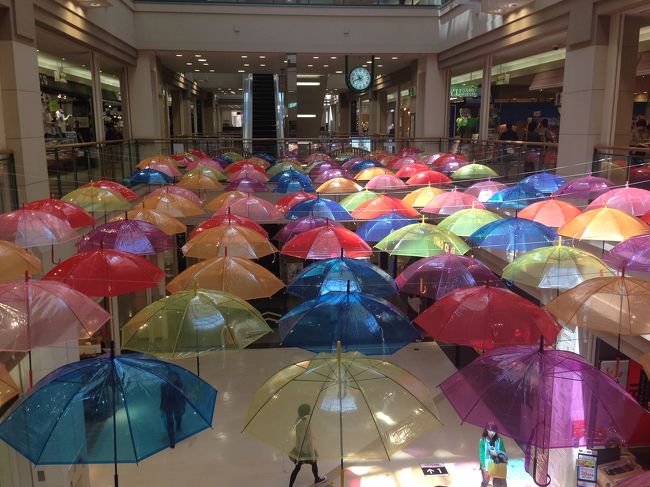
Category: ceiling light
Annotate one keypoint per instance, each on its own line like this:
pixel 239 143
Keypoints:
pixel 196 70
pixel 262 57
pixel 326 65
pixel 244 56
pixel 364 65
pixel 246 65
pixel 339 72
pixel 380 65
pixel 333 57
pixel 316 57
pixel 179 55
pixel 306 115
pixel 239 89
pixel 202 60
pixel 310 65
pixel 189 64
pixel 285 61
pixel 377 57
pixel 307 83
pixel 308 76
pixel 262 65
pixel 394 58
pixel 368 62
pixel 94 3
pixel 198 55
pixel 241 71
pixel 206 64
pixel 212 70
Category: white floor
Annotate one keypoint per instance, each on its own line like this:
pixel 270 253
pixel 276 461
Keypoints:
pixel 225 457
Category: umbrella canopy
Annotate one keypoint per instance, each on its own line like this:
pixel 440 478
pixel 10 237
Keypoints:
pixel 380 227
pixel 409 170
pixel 513 235
pixel 632 254
pixel 251 174
pixel 428 177
pixel 198 180
pixel 205 171
pixel 34 228
pixel 301 225
pixel 232 156
pixel 339 274
pixel 359 166
pixel 75 215
pixel 148 176
pixel 634 201
pixel 223 199
pixel 450 202
pixel 554 398
pixel 516 197
pixel 385 182
pixel 450 166
pixel 205 163
pixel 252 207
pixel 245 165
pixel 39 313
pixel 336 386
pixel 484 190
pixel 604 224
pixel 168 224
pixel 228 219
pixel 325 176
pixel 98 200
pixel 284 166
pixel 194 323
pixel 326 242
pixel 124 420
pixel 437 276
pixel 432 158
pixel 360 322
pixel 320 207
pixel 180 191
pixel 247 186
pixel 399 162
pixel 118 188
pixel 544 182
pixel 240 277
pixel 472 171
pixel 353 200
pixel 637 480
pixel 486 317
pixel 159 159
pixel 290 174
pixel 15 261
pixel 339 186
pixel 8 387
pixel 371 172
pixel 444 158
pixel 170 204
pixel 383 205
pixel 587 187
pixel 616 305
pixel 465 222
pixel 552 213
pixel 556 267
pixel 422 240
pixel 231 240
pixel 293 186
pixel 166 167
pixel 107 272
pixel 287 202
pixel 421 196
pixel 133 236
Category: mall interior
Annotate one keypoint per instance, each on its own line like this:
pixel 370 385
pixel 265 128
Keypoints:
pixel 371 243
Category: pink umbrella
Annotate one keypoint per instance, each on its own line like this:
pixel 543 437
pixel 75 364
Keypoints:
pixel 409 151
pixel 634 201
pixel 640 480
pixel 401 162
pixel 322 167
pixel 431 158
pixel 301 225
pixel 351 162
pixel 34 228
pixel 74 215
pixel 428 177
pixel 206 163
pixel 385 182
pixel 248 174
pixel 450 202
pixel 246 186
pixel 447 157
pixel 180 191
pixel 256 209
pixel 325 176
pixel 165 168
pixel 586 187
pixel 484 190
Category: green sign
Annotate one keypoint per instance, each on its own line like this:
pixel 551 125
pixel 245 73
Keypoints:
pixel 293 104
pixel 54 104
pixel 461 91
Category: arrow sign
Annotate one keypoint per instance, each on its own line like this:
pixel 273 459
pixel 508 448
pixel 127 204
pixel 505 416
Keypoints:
pixel 435 469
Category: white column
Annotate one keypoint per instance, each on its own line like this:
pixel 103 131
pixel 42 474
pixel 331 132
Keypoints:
pixel 486 89
pixel 144 90
pixel 98 105
pixel 432 98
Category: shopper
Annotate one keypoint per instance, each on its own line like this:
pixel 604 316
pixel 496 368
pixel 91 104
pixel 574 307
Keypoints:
pixel 531 134
pixel 508 133
pixel 304 451
pixel 493 458
pixel 172 405
pixel 545 133
pixel 640 132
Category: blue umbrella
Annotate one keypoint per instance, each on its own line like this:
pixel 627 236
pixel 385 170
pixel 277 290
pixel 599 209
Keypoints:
pixel 290 174
pixel 361 322
pixel 293 185
pixel 147 176
pixel 108 410
pixel 337 274
pixel 361 165
pixel 267 157
pixel 516 197
pixel 377 229
pixel 544 182
pixel 319 207
pixel 513 234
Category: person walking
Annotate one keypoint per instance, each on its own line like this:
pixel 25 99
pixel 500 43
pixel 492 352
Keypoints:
pixel 172 405
pixel 493 458
pixel 304 451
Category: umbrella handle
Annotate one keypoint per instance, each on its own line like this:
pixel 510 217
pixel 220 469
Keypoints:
pixel 55 262
pixel 548 481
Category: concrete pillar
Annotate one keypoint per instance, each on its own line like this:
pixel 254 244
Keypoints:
pixel 143 92
pixel 486 89
pixel 382 109
pixel 310 102
pixel 344 114
pixel 432 98
pixel 98 105
pixel 177 111
pixel 208 115
pixel 186 113
pixel 373 114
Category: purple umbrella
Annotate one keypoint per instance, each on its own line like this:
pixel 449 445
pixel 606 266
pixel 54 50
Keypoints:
pixel 301 225
pixel 437 276
pixel 325 166
pixel 543 398
pixel 587 187
pixel 331 174
pixel 484 190
pixel 632 254
pixel 133 236
pixel 246 186
pixel 451 165
pixel 639 480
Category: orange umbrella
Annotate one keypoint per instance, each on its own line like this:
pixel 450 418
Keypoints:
pixel 371 172
pixel 171 204
pixel 8 388
pixel 552 213
pixel 166 223
pixel 604 224
pixel 241 277
pixel 420 197
pixel 160 159
pixel 234 240
pixel 223 199
pixel 15 261
pixel 200 182
pixel 339 186
pixel 383 205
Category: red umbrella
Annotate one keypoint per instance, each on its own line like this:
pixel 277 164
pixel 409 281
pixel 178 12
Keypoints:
pixel 383 205
pixel 285 203
pixel 326 242
pixel 180 159
pixel 428 177
pixel 634 201
pixel 118 188
pixel 410 170
pixel 400 162
pixel 450 202
pixel 75 215
pixel 432 158
pixel 34 228
pixel 447 158
pixel 198 153
pixel 243 165
pixel 188 194
pixel 486 317
pixel 385 182
pixel 251 207
pixel 228 219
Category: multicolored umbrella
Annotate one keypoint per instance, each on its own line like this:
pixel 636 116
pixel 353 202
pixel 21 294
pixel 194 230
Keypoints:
pixel 606 224
pixel 513 235
pixel 118 188
pixel 75 215
pixel 587 187
pixel 544 182
pixel 168 224
pixel 632 254
pixel 484 190
pixel 285 203
pixel 450 202
pixel 420 197
pixel 228 219
pixel 379 228
pixel 320 207
pixel 428 177
pixel 16 261
pixel 383 205
pixel 465 222
pixel 353 200
pixel 634 201
pixel 34 228
pixel 301 225
pixel 422 240
pixel 516 197
pixel 180 191
pixel 223 199
pixel 148 176
pixel 385 182
pixel 96 200
pixel 472 171
pixel 252 207
pixel 552 213
pixel 326 242
pixel 233 240
pixel 170 204
pixel 133 236
pixel 339 186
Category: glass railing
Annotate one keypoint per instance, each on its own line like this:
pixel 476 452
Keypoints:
pixel 318 3
pixel 623 164
pixel 8 183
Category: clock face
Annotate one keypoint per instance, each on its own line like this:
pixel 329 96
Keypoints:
pixel 359 79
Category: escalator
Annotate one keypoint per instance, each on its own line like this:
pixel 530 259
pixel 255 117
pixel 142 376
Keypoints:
pixel 264 113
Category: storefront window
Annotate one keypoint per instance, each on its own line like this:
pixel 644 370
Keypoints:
pixel 112 114
pixel 465 104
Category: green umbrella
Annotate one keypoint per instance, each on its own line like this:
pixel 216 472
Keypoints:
pixel 473 171
pixel 466 222
pixel 233 156
pixel 353 200
pixel 283 166
pixel 557 267
pixel 422 240
pixel 206 171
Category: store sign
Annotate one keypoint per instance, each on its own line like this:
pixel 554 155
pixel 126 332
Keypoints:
pixel 461 91
pixel 435 469
pixel 60 76
pixel 587 470
pixel 42 78
pixel 502 79
pixel 53 105
pixel 293 104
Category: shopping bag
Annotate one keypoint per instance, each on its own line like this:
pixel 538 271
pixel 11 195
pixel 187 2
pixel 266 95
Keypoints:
pixel 497 470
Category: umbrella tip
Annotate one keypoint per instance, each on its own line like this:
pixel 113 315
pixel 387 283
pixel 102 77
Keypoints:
pixel 112 349
pixel 541 343
pixel 338 350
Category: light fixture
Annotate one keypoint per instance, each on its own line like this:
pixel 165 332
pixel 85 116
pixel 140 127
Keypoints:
pixel 326 65
pixel 262 57
pixel 212 70
pixel 196 70
pixel 333 57
pixel 310 65
pixel 198 55
pixel 380 65
pixel 93 3
pixel 364 65
pixel 241 71
pixel 377 57
pixel 394 58
pixel 339 72
pixel 306 115
pixel 244 56
pixel 312 76
pixel 316 57
pixel 307 83
pixel 189 64
pixel 179 55
pixel 262 65
pixel 246 65
pixel 206 64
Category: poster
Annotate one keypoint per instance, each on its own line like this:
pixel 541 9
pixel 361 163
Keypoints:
pixel 586 467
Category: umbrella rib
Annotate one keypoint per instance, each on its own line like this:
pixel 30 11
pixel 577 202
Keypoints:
pixel 126 410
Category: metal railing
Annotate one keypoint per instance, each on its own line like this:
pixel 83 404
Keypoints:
pixel 315 3
pixel 8 183
pixel 623 164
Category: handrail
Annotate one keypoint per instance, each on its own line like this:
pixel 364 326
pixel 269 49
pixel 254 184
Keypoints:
pixel 622 148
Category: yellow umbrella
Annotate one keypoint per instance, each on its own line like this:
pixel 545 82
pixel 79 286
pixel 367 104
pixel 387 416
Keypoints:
pixel 171 205
pixel 94 199
pixel 15 261
pixel 241 277
pixel 8 388
pixel 233 240
pixel 202 177
pixel 603 224
pixel 223 199
pixel 371 172
pixel 339 186
pixel 420 197
pixel 258 161
pixel 156 160
pixel 166 223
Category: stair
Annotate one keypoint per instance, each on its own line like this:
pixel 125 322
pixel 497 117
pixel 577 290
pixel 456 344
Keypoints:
pixel 264 122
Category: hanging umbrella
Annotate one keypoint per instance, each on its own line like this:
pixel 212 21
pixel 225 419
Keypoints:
pixel 243 166
pixel 400 162
pixel 205 163
pixel 290 174
pixel 432 158
pixel 8 388
pixel 159 159
pixel 385 183
pixel 632 254
pixel 486 317
pixel 552 213
pixel 339 186
pixel 247 186
pixel 194 323
pixel 293 186
pixel 353 200
pixel 557 267
pixel 320 207
pixel 283 166
pixel 251 174
pixel 339 274
pixel 450 202
pixel 326 242
pixel 359 166
pixel 171 205
pixel 223 199
pixel 348 161
pixel 118 188
pixel 544 182
pixel 513 235
pixel 549 393
pixel 228 219
pixel 360 322
pixel 133 236
pixel 409 170
pixel 422 240
pixel 34 228
pixel 199 181
pixel 450 166
pixel 323 177
pixel 484 190
pixel 232 240
pixel 428 177
pixel 444 158
pixel 168 224
pixel 15 261
pixel 465 222
pixel 147 176
pixel 603 224
pixel 383 205
pixel 421 196
pixel 587 187
pixel 437 276
pixel 301 225
pixel 636 480
pixel 371 172
pixel 96 200
pixel 180 191
pixel 200 172
pixel 634 201
pixel 516 197
pixel 181 159
pixel 380 227
pixel 232 156
pixel 75 215
pixel 252 207
pixel 285 203
pixel 165 167
pixel 473 171
pixel 241 277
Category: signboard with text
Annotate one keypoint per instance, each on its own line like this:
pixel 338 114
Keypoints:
pixel 435 469
pixel 461 91
pixel 587 468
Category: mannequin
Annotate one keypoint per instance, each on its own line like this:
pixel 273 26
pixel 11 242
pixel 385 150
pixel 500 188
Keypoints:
pixel 60 119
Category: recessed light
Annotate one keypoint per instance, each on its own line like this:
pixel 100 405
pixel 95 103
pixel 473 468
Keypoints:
pixel 239 89
pixel 326 65
pixel 310 65
pixel 285 61
pixel 196 70
pixel 244 56
pixel 377 57
pixel 198 55
pixel 364 65
pixel 394 58
pixel 339 72
pixel 202 60
pixel 262 65
pixel 206 64
pixel 246 65
pixel 380 65
pixel 262 57
pixel 241 71
pixel 368 62
pixel 316 57
pixel 189 64
pixel 212 70
pixel 179 55
pixel 333 57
